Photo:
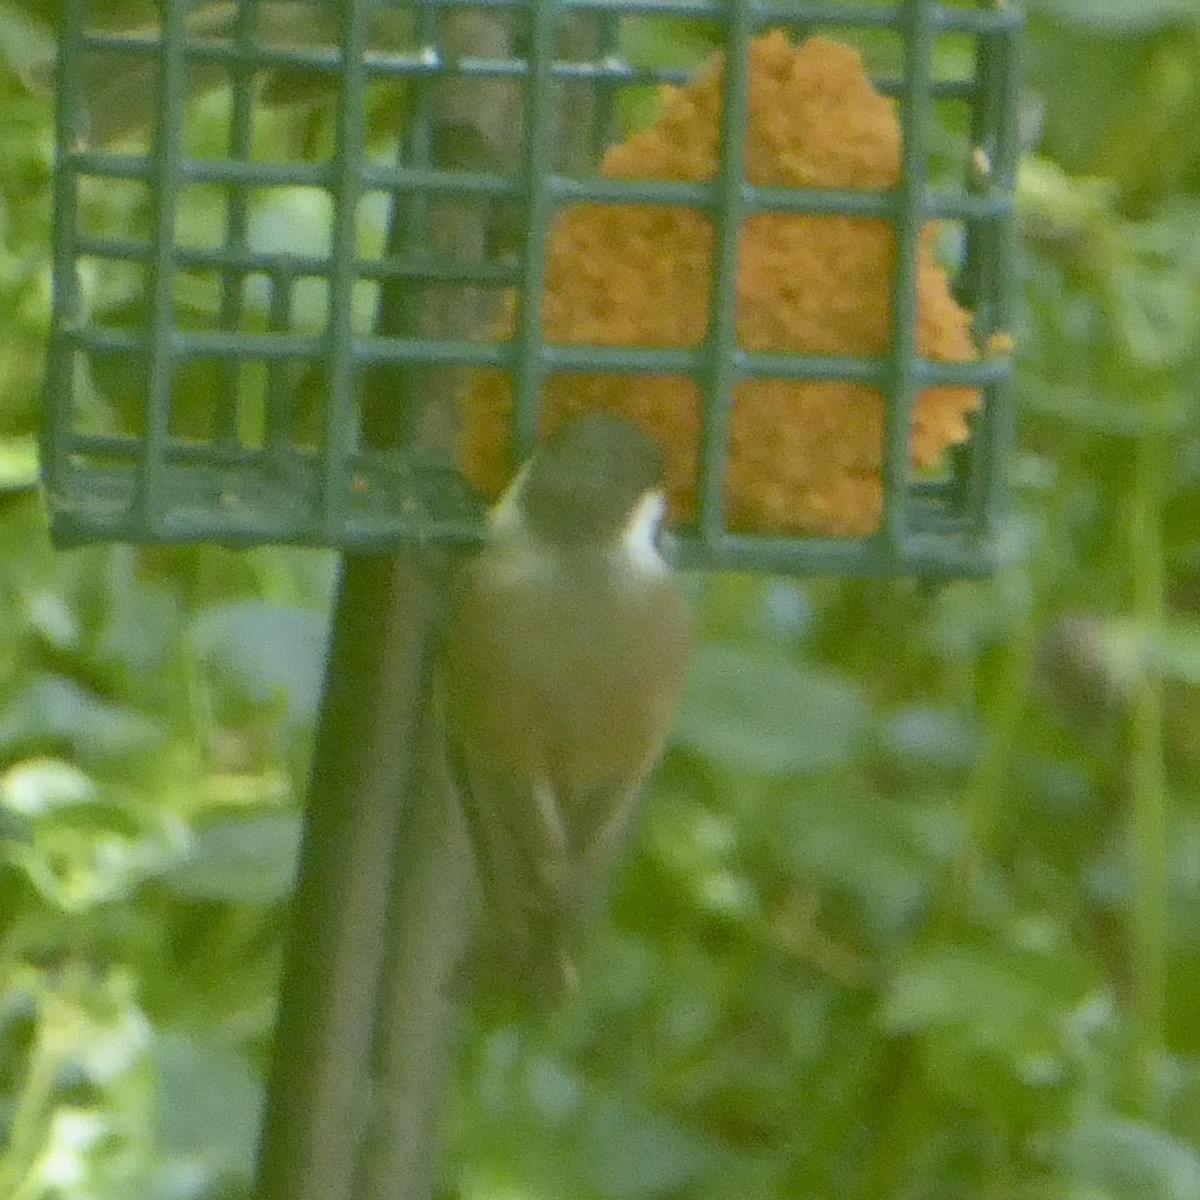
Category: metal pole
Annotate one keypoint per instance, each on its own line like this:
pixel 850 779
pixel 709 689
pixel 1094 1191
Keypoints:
pixel 359 1072
pixel 317 1104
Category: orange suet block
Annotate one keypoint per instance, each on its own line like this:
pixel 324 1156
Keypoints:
pixel 803 455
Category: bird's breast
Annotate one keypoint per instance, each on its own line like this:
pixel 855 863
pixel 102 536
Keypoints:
pixel 576 674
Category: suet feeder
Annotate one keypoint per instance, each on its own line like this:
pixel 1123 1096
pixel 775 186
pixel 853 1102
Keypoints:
pixel 792 264
pixel 406 238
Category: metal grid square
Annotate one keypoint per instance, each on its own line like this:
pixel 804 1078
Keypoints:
pixel 167 475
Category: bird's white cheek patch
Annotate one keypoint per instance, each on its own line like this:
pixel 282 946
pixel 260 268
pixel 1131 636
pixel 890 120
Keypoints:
pixel 640 536
pixel 505 516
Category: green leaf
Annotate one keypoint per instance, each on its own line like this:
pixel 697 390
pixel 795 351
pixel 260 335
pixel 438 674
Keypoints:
pixel 749 713
pixel 209 1103
pixel 42 785
pixel 18 464
pixel 1090 410
pixel 1001 991
pixel 921 735
pixel 1128 1160
pixel 51 708
pixel 855 847
pixel 1176 650
pixel 23 43
pixel 632 1153
pixel 1118 16
pixel 1127 648
pixel 1157 312
pixel 242 860
pixel 141 628
pixel 266 650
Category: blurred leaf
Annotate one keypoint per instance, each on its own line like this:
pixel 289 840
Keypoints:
pixel 1084 406
pixel 1125 648
pixel 556 1093
pixel 42 785
pixel 1128 1160
pixel 631 1153
pixel 1176 649
pixel 967 619
pixel 141 629
pixel 265 651
pixel 18 464
pixel 209 1103
pixel 87 855
pixel 1059 207
pixel 50 708
pixel 922 735
pixel 878 855
pixel 999 990
pixel 23 43
pixel 745 712
pixel 1118 16
pixel 1156 310
pixel 50 613
pixel 1091 78
pixel 241 860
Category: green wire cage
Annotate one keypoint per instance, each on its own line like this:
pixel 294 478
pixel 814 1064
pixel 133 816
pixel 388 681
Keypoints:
pixel 237 471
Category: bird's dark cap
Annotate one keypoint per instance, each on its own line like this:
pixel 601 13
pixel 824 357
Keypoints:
pixel 586 479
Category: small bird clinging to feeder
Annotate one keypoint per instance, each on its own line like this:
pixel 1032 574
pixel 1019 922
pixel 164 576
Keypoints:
pixel 565 654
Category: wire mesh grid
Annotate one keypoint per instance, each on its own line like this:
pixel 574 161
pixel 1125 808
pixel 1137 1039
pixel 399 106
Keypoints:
pixel 220 399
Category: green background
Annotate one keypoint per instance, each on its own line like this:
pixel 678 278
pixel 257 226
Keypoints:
pixel 915 907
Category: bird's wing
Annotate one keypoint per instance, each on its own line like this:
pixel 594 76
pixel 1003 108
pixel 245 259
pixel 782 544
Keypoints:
pixel 525 869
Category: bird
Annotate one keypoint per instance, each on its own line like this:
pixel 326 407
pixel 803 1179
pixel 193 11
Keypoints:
pixel 565 654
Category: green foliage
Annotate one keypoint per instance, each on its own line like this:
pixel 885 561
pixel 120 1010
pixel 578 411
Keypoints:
pixel 747 712
pixel 915 906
